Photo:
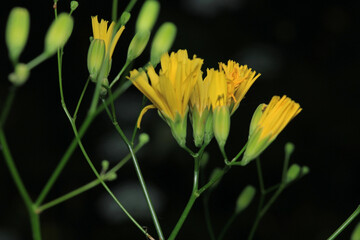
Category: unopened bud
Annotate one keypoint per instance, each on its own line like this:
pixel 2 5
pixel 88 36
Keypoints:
pixel 144 138
pixel 20 75
pixel 147 17
pixel 293 172
pixel 356 233
pixel 209 130
pixel 17 32
pixel 216 174
pixel 245 198
pixel 138 44
pixel 58 33
pixel 163 40
pixel 74 5
pixel 95 58
pixel 125 17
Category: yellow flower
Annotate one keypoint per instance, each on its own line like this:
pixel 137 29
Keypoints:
pixel 239 80
pixel 101 31
pixel 266 127
pixel 170 90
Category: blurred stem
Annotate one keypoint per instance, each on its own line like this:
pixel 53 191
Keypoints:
pixel 36 61
pixel 207 215
pixel 7 106
pixel 34 218
pixel 80 99
pixel 88 186
pixel 130 5
pixel 227 225
pixel 345 224
pixel 114 10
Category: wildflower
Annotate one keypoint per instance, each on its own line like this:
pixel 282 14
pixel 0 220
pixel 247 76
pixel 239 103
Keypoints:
pixel 218 95
pixel 265 128
pixel 101 31
pixel 239 81
pixel 170 90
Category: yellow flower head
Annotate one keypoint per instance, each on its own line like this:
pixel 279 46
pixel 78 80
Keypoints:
pixel 218 92
pixel 101 31
pixel 239 80
pixel 272 120
pixel 170 90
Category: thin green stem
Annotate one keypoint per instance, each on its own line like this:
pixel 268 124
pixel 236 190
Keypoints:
pixel 34 218
pixel 144 99
pixel 215 179
pixel 120 73
pixel 130 5
pixel 194 195
pixel 345 224
pixel 239 154
pixel 261 184
pixel 141 180
pixel 207 216
pixel 7 105
pixel 227 226
pixel 80 99
pixel 114 10
pixel 36 61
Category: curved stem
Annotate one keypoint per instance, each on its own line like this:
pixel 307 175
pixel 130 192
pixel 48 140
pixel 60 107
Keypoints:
pixel 345 224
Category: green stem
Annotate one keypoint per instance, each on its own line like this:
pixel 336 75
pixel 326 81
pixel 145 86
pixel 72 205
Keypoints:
pixel 141 180
pixel 130 6
pixel 226 226
pixel 114 10
pixel 34 218
pixel 144 99
pixel 120 73
pixel 239 154
pixel 207 216
pixel 36 61
pixel 261 184
pixel 7 106
pixel 345 224
pixel 81 98
pixel 194 195
pixel 215 179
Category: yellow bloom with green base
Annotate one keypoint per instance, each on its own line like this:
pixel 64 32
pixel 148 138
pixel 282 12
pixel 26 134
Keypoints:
pixel 170 90
pixel 267 122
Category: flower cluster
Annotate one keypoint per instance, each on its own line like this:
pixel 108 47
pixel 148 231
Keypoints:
pixel 179 88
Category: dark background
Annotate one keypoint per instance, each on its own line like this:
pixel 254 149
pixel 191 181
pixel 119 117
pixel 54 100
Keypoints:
pixel 306 50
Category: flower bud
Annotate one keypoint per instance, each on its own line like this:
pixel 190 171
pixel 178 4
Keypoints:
pixel 198 124
pixel 163 40
pixel 137 45
pixel 256 117
pixel 124 18
pixel 20 75
pixel 216 173
pixel 144 138
pixel 245 198
pixel 17 31
pixel 178 129
pixel 95 58
pixel 356 233
pixel 74 5
pixel 147 17
pixel 58 33
pixel 293 172
pixel 221 124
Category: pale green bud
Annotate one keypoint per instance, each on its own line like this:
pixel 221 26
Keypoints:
pixel 125 17
pixel 293 172
pixel 74 5
pixel 95 58
pixel 58 33
pixel 104 165
pixel 17 32
pixel 198 124
pixel 163 40
pixel 204 160
pixel 289 148
pixel 245 198
pixel 137 45
pixel 216 174
pixel 356 233
pixel 111 176
pixel 144 138
pixel 178 129
pixel 221 124
pixel 304 170
pixel 147 17
pixel 256 117
pixel 20 75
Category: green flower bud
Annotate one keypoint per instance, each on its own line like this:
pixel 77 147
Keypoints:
pixel 221 123
pixel 356 233
pixel 209 132
pixel 289 148
pixel 111 176
pixel 198 124
pixel 137 45
pixel 58 33
pixel 125 17
pixel 256 117
pixel 17 32
pixel 216 173
pixel 163 40
pixel 144 138
pixel 74 5
pixel 304 170
pixel 147 17
pixel 178 129
pixel 95 58
pixel 204 160
pixel 20 75
pixel 293 172
pixel 104 165
pixel 245 198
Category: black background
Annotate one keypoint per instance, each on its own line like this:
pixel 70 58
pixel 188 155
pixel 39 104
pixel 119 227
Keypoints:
pixel 306 50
